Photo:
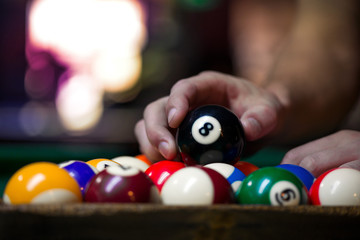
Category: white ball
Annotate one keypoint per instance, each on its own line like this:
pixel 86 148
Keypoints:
pixel 196 186
pixel 188 186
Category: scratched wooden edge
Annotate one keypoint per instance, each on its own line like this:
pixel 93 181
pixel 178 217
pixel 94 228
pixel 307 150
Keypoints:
pixel 88 209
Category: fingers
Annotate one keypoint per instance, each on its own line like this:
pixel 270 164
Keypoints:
pixel 258 121
pixel 333 151
pixel 145 146
pixel 205 88
pixel 258 109
pixel 353 164
pixel 296 155
pixel 153 133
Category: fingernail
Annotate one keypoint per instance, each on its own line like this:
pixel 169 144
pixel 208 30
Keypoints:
pixel 171 114
pixel 308 164
pixel 254 125
pixel 164 148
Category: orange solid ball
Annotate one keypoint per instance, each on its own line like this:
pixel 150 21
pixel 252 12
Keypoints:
pixel 42 182
pixel 143 158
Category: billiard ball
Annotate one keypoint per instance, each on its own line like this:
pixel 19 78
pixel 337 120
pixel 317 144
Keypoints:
pixel 208 134
pixel 304 175
pixel 121 185
pixel 160 171
pixel 143 158
pixel 246 167
pixel 272 186
pixel 232 174
pixel 80 171
pixel 132 161
pixel 196 185
pixel 41 182
pixel 337 187
pixel 102 163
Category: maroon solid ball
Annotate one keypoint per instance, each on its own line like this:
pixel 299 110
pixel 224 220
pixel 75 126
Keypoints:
pixel 121 184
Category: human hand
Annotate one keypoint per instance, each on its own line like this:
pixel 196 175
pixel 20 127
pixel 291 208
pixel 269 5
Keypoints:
pixel 257 108
pixel 340 149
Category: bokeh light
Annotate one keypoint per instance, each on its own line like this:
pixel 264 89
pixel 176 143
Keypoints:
pixel 79 103
pixel 99 43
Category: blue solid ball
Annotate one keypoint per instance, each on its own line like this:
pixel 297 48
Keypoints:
pixel 80 171
pixel 304 175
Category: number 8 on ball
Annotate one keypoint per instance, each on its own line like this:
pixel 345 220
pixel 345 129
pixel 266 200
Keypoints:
pixel 209 134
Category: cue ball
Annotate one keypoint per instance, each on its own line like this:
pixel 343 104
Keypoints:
pixel 337 187
pixel 196 186
pixel 272 186
pixel 121 185
pixel 42 182
pixel 80 171
pixel 209 134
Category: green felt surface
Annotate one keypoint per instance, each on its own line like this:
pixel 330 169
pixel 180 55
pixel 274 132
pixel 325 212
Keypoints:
pixel 267 157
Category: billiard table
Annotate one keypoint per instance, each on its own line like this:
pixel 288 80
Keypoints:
pixel 155 221
pixel 149 221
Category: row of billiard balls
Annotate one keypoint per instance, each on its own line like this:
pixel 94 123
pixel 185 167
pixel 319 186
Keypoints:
pixel 135 180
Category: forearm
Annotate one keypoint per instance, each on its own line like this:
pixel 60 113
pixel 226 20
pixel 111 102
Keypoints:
pixel 316 74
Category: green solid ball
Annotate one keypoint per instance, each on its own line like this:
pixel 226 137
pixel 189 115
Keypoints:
pixel 272 186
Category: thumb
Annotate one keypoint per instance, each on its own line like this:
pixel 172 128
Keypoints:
pixel 258 121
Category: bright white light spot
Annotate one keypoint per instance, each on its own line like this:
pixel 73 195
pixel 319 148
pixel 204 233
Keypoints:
pixel 335 187
pixel 117 73
pixel 112 184
pixel 79 103
pixel 34 181
pixel 163 176
pixel 189 184
pixel 263 186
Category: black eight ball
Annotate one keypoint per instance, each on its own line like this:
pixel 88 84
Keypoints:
pixel 209 134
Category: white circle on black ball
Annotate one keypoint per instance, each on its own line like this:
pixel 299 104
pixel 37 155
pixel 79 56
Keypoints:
pixel 206 130
pixel 284 193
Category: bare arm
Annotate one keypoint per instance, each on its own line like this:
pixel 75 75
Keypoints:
pixel 316 75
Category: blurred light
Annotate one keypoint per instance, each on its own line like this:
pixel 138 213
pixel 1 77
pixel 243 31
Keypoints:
pixel 33 118
pixel 100 42
pixel 82 28
pixel 79 103
pixel 39 82
pixel 116 73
